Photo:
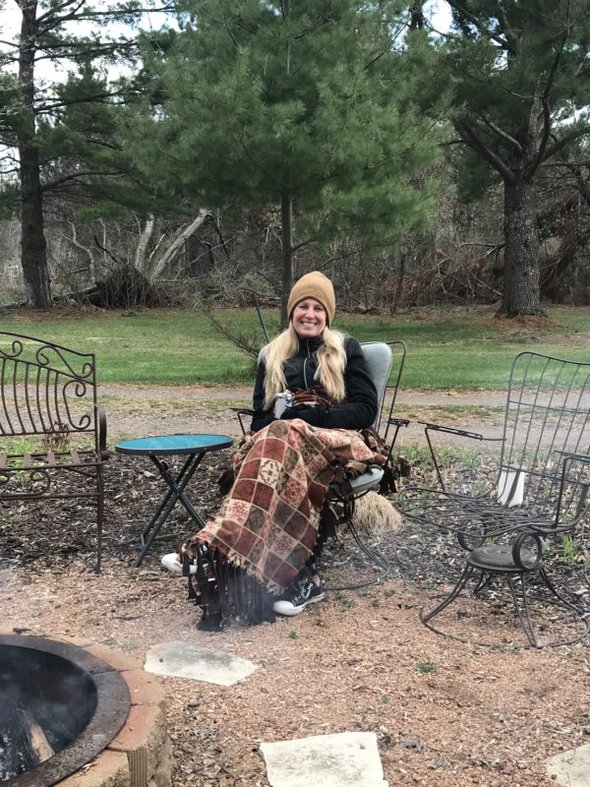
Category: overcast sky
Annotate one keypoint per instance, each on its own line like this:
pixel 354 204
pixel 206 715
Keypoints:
pixel 10 20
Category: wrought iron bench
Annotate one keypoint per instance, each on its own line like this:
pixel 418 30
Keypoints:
pixel 537 493
pixel 50 425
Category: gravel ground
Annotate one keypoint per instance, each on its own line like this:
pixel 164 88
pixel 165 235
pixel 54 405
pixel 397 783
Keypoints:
pixel 446 712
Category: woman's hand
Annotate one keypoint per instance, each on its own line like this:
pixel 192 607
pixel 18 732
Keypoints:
pixel 314 416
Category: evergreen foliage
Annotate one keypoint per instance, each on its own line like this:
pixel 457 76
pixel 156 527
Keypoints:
pixel 58 137
pixel 302 103
pixel 519 75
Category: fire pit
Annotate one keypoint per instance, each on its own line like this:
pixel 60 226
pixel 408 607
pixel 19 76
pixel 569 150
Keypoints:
pixel 64 710
pixel 59 707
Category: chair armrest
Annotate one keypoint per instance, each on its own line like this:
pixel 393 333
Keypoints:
pixel 242 412
pixel 430 427
pixel 397 423
pixel 571 457
pixel 585 458
pixel 527 550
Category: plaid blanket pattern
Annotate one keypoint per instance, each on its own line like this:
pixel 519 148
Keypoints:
pixel 269 521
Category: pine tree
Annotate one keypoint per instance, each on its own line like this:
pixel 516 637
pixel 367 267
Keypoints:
pixel 299 103
pixel 519 74
pixel 32 108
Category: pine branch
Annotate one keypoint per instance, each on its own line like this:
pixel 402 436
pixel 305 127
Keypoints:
pixel 96 98
pixel 545 103
pixel 51 19
pixel 581 180
pixel 77 176
pixel 502 42
pixel 545 135
pixel 501 133
pixel 466 130
pixel 565 140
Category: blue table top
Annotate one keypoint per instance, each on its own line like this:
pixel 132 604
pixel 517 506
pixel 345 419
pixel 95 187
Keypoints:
pixel 174 444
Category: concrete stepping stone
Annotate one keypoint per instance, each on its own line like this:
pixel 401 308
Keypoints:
pixel 347 759
pixel 571 768
pixel 183 660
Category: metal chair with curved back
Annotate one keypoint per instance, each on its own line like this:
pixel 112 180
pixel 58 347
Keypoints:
pixel 386 362
pixel 537 495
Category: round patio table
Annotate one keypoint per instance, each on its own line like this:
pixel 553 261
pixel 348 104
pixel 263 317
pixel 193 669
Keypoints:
pixel 195 447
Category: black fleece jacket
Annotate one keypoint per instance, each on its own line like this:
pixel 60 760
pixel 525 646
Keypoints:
pixel 357 411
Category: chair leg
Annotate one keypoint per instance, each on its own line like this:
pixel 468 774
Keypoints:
pixel 525 619
pixel 523 614
pixel 371 554
pixel 455 592
pixel 521 606
pixel 483 581
pixel 580 613
pixel 99 516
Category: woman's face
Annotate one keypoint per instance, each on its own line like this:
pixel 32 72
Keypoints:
pixel 309 318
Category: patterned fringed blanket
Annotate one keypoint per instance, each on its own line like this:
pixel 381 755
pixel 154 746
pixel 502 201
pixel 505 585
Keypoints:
pixel 269 521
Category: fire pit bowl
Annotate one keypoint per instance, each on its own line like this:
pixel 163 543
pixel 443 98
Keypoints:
pixel 60 706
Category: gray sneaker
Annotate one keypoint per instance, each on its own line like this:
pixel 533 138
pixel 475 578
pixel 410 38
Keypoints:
pixel 301 593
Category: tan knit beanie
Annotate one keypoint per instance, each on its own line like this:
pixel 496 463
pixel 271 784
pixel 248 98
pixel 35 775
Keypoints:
pixel 314 285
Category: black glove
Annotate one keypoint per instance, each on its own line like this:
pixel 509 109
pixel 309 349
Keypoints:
pixel 314 416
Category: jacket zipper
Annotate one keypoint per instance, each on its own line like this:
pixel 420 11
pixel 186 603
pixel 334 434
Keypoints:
pixel 305 366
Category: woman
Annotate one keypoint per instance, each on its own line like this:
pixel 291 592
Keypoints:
pixel 270 520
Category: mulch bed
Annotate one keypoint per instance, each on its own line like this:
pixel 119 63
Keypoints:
pixel 444 713
pixel 52 533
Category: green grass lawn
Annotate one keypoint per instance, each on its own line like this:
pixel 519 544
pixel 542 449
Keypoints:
pixel 462 349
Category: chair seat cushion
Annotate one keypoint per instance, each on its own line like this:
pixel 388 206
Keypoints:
pixel 367 480
pixel 498 557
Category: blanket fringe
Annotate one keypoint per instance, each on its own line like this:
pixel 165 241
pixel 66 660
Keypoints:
pixel 227 593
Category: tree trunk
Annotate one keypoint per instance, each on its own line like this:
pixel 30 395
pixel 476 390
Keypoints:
pixel 175 244
pixel 287 253
pixel 33 244
pixel 522 294
pixel 416 15
pixel 145 235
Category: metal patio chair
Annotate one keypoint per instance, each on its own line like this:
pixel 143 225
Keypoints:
pixel 234 595
pixel 537 494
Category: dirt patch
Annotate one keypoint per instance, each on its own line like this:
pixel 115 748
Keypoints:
pixel 445 713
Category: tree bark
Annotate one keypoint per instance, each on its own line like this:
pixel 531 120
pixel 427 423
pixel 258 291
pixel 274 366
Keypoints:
pixel 287 253
pixel 175 244
pixel 416 15
pixel 33 243
pixel 145 235
pixel 522 293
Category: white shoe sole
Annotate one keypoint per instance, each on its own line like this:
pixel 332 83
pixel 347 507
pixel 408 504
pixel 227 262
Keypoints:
pixel 287 609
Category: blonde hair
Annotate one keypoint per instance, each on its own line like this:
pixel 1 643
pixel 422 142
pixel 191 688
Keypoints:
pixel 331 364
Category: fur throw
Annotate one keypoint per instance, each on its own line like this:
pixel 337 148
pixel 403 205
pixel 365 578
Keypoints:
pixel 375 514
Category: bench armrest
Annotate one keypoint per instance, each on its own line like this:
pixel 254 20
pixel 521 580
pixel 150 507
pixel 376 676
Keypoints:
pixel 101 431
